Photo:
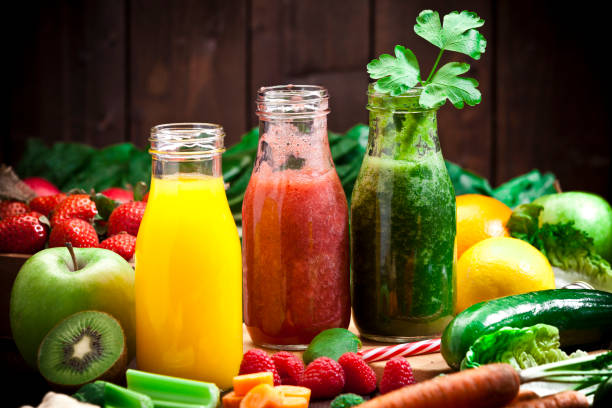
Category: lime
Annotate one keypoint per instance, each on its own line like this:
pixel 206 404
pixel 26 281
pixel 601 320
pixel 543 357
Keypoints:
pixel 331 343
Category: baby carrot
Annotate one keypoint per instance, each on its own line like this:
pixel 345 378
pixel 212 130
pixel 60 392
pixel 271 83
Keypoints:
pixel 524 395
pixel 488 386
pixel 566 399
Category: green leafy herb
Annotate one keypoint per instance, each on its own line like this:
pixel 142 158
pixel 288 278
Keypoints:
pixel 564 245
pixel 346 401
pixel 397 75
pixel 521 348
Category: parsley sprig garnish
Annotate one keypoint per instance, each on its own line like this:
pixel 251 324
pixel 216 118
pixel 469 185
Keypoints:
pixel 396 75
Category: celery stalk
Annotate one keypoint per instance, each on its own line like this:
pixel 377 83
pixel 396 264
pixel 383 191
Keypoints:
pixel 172 392
pixel 115 396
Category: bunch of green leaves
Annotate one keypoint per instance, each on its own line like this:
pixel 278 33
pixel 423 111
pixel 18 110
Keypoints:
pixel 586 374
pixel 522 348
pixel 397 75
pixel 564 245
pixel 76 165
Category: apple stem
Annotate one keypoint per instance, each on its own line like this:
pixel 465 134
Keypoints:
pixel 557 185
pixel 71 250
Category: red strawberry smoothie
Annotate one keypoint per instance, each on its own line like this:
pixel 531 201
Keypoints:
pixel 295 255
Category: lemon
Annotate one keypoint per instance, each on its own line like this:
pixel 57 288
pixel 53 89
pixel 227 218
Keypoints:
pixel 502 266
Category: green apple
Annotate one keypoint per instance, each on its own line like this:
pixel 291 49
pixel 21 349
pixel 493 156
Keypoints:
pixel 48 288
pixel 590 213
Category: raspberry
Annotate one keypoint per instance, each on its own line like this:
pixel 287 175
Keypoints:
pixel 324 377
pixel 397 374
pixel 257 361
pixel 289 367
pixel 359 377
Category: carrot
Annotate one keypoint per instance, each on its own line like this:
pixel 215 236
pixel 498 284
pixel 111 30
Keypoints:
pixel 231 400
pixel 488 386
pixel 524 395
pixel 244 383
pixel 566 399
pixel 262 396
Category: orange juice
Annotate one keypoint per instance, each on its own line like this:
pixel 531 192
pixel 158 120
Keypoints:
pixel 188 281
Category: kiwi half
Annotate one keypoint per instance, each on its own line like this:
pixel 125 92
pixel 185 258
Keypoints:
pixel 84 347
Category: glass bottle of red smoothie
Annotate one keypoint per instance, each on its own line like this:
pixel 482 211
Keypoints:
pixel 295 240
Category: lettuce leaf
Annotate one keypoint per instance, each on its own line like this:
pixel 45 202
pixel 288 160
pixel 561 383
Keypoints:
pixel 521 348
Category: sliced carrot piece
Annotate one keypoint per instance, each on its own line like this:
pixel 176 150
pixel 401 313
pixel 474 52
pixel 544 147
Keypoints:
pixel 295 402
pixel 244 383
pixel 231 400
pixel 294 391
pixel 262 396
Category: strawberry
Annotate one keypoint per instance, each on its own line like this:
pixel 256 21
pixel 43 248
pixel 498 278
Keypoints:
pixel 257 361
pixel 46 204
pixel 79 233
pixel 12 208
pixel 324 377
pixel 289 367
pixel 126 218
pixel 41 186
pixel 74 206
pixel 119 194
pixel 122 244
pixel 397 374
pixel 23 234
pixel 359 376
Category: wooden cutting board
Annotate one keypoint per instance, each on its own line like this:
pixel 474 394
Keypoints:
pixel 424 367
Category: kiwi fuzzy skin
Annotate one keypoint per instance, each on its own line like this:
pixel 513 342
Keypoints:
pixel 115 373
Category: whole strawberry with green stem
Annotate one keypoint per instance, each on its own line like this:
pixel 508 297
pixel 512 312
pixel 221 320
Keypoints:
pixel 46 204
pixel 74 206
pixel 79 233
pixel 126 217
pixel 24 233
pixel 12 208
pixel 123 244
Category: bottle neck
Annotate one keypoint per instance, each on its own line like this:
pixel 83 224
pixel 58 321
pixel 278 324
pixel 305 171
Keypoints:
pixel 168 168
pixel 299 144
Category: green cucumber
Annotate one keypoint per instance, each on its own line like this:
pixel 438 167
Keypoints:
pixel 581 315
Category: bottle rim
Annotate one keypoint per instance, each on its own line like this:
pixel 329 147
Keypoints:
pixel 405 103
pixel 292 102
pixel 195 140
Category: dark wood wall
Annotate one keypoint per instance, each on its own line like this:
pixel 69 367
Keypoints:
pixel 105 71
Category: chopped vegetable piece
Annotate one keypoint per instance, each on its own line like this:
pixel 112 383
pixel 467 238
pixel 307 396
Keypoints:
pixel 167 391
pixel 294 391
pixel 231 400
pixel 244 383
pixel 262 396
pixel 92 393
pixel 295 402
pixel 115 396
pixel 521 348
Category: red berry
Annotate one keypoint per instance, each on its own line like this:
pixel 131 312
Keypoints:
pixel 46 204
pixel 12 208
pixel 397 374
pixel 359 376
pixel 79 233
pixel 324 377
pixel 119 194
pixel 126 218
pixel 122 244
pixel 74 206
pixel 23 234
pixel 289 367
pixel 257 361
pixel 41 186
pixel 146 197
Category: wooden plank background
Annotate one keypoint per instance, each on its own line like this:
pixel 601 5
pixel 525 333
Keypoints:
pixel 105 71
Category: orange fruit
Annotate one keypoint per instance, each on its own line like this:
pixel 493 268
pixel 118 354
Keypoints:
pixel 498 267
pixel 479 217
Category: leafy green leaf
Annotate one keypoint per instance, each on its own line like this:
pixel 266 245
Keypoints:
pixel 564 245
pixel 522 348
pixel 456 34
pixel 396 74
pixel 525 188
pixel 447 83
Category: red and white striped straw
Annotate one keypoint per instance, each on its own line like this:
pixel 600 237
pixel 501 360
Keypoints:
pixel 404 350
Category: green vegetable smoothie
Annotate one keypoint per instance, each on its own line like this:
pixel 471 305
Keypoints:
pixel 403 226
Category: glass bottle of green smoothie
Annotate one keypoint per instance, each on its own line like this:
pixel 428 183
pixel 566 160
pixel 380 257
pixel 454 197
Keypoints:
pixel 402 224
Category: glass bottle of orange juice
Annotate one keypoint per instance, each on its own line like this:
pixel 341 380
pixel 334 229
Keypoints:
pixel 188 262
